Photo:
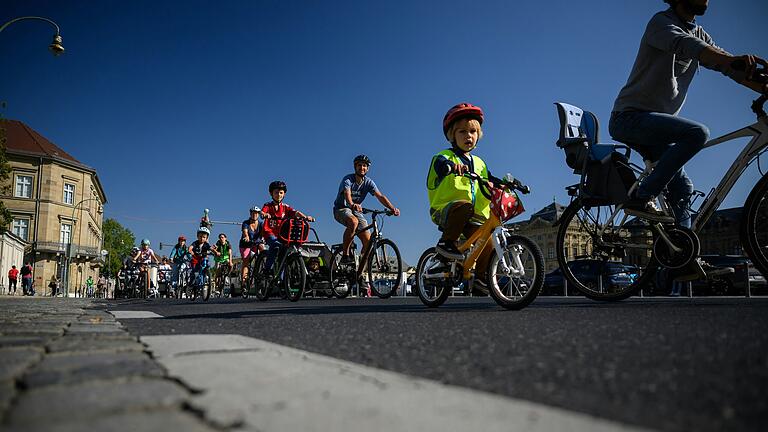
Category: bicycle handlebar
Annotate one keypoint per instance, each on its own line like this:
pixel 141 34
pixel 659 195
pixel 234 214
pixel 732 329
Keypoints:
pixel 377 212
pixel 513 184
pixel 759 75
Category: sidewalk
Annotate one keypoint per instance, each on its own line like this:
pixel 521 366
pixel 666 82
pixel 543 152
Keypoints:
pixel 65 365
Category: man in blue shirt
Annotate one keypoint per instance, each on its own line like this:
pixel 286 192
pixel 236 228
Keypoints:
pixel 347 208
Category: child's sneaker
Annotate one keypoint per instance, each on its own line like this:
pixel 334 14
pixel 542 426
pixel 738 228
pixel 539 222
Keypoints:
pixel 448 249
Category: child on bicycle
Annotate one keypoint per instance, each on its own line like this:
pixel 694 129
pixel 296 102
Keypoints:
pixel 199 249
pixel 348 210
pixel 223 256
pixel 456 205
pixel 178 255
pixel 273 213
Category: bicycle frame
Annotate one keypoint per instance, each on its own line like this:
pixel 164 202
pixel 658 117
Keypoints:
pixel 759 142
pixel 375 237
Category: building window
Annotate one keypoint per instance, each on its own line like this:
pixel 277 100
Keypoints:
pixel 550 253
pixel 21 228
pixel 69 193
pixel 66 233
pixel 575 251
pixel 23 186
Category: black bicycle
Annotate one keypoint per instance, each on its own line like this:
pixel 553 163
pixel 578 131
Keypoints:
pixel 288 275
pixel 380 261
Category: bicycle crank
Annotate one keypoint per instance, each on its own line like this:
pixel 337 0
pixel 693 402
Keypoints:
pixel 676 247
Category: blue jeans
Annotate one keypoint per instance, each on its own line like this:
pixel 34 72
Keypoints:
pixel 274 248
pixel 670 141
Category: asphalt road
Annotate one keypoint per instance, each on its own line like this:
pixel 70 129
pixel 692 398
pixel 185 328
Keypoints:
pixel 670 364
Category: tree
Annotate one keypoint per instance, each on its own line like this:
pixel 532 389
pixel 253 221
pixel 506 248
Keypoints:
pixel 118 241
pixel 5 174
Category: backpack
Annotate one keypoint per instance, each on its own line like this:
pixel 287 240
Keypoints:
pixel 606 176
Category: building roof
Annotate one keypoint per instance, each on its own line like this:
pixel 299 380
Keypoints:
pixel 549 213
pixel 23 140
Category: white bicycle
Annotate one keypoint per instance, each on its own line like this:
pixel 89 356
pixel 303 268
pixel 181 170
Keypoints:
pixel 620 252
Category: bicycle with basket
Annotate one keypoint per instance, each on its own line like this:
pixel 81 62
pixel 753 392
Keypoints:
pixel 289 273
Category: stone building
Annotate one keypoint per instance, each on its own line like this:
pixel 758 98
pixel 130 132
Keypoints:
pixel 539 229
pixel 55 201
pixel 720 235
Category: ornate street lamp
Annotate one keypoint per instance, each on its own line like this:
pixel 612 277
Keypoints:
pixel 55 47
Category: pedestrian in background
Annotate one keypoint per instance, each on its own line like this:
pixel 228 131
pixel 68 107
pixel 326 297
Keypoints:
pixel 100 287
pixel 89 286
pixel 26 279
pixel 13 275
pixel 54 286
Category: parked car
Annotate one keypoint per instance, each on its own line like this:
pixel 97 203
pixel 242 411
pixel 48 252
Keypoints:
pixel 615 273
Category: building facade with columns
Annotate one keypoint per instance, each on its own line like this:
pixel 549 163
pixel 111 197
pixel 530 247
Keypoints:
pixel 56 201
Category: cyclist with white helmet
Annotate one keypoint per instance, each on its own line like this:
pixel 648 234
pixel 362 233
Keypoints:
pixel 348 209
pixel 144 257
pixel 199 249
pixel 250 240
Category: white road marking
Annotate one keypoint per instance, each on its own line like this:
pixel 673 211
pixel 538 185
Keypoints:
pixel 257 385
pixel 134 314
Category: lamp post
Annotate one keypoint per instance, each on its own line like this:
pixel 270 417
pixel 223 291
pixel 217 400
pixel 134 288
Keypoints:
pixel 68 252
pixel 55 47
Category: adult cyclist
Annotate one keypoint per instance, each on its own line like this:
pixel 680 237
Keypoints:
pixel 348 209
pixel 645 114
pixel 250 241
pixel 144 257
pixel 179 254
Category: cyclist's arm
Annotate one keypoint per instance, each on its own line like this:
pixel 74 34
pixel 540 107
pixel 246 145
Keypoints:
pixel 386 203
pixel 348 200
pixel 719 60
pixel 303 216
pixel 245 235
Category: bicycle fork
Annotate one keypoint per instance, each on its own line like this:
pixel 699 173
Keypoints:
pixel 514 268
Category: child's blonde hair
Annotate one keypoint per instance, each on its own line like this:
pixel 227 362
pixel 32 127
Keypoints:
pixel 470 122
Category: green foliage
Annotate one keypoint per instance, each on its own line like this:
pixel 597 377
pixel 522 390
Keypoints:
pixel 118 241
pixel 5 175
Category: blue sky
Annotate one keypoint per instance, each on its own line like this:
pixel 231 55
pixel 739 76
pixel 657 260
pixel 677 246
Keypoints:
pixel 188 105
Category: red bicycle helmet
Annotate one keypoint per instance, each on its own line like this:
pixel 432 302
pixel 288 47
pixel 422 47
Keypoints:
pixel 181 237
pixel 462 110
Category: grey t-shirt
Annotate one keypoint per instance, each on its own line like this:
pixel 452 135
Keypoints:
pixel 665 65
pixel 359 191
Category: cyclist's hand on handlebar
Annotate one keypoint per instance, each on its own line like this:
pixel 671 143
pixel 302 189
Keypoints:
pixel 310 218
pixel 357 207
pixel 396 211
pixel 460 169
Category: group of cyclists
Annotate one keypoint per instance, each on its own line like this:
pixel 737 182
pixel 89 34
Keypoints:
pixel 645 116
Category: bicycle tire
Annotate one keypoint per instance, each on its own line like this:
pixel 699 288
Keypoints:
pixel 206 287
pixel 605 251
pixel 432 292
pixel 258 280
pixel 339 279
pixel 294 277
pixel 754 226
pixel 523 283
pixel 385 268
